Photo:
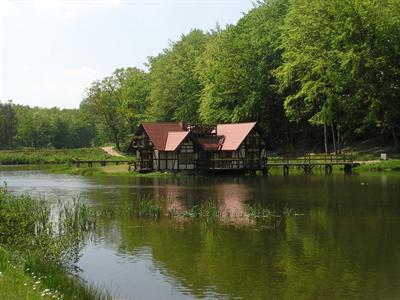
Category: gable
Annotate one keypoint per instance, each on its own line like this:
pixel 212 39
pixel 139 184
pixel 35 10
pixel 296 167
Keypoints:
pixel 174 139
pixel 234 134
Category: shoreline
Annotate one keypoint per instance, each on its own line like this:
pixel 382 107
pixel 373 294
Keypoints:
pixel 366 166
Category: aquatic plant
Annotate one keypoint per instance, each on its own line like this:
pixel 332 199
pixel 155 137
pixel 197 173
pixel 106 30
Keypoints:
pixel 147 208
pixel 256 211
pixel 266 218
pixel 47 247
pixel 208 209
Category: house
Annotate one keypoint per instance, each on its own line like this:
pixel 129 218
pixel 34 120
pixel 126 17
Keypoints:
pixel 181 146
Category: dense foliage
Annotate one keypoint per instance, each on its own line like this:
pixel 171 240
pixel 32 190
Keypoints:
pixel 304 69
pixel 23 126
pixel 341 65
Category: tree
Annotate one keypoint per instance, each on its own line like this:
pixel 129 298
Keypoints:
pixel 175 87
pixel 8 124
pixel 236 71
pixel 102 103
pixel 335 62
pixel 135 89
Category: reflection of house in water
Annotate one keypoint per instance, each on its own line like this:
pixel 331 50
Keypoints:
pixel 233 197
pixel 230 196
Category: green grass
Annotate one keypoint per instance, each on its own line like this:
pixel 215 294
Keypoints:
pixel 52 156
pixel 382 166
pixel 109 170
pixel 56 278
pixel 37 252
pixel 15 283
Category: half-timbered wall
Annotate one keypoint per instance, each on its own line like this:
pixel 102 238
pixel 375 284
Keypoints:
pixel 186 156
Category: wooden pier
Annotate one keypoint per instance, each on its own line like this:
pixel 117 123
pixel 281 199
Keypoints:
pixel 308 162
pixel 103 163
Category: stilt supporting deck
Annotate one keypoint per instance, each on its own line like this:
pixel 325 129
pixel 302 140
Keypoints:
pixel 328 169
pixel 285 169
pixel 348 168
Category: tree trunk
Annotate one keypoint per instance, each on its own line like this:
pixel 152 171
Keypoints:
pixel 333 138
pixel 325 139
pixel 339 145
pixel 395 140
pixel 116 138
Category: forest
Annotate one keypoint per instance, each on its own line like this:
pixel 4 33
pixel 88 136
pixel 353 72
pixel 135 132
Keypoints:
pixel 325 72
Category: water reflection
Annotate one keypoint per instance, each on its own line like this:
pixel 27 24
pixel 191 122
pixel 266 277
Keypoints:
pixel 344 246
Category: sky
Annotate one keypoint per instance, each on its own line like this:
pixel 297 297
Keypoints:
pixel 51 50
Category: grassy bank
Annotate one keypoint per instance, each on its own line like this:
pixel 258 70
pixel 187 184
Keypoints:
pixel 37 253
pixel 122 170
pixel 15 283
pixel 52 156
pixel 110 170
pixel 380 166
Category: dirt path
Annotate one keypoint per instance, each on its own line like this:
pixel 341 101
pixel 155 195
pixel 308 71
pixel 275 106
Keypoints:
pixel 111 151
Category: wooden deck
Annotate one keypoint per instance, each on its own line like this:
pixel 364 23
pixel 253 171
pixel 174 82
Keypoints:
pixel 307 163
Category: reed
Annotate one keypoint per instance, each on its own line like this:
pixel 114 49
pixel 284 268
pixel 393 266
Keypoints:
pixel 45 247
pixel 208 209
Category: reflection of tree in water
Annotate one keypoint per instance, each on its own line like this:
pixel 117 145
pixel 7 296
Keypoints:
pixel 319 257
pixel 338 249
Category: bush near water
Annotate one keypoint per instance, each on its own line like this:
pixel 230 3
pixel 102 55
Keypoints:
pixel 37 254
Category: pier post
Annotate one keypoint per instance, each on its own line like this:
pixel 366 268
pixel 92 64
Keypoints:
pixel 348 168
pixel 285 170
pixel 328 169
pixel 307 168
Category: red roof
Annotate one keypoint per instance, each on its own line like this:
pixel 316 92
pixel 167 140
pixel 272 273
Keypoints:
pixel 158 133
pixel 234 134
pixel 174 139
pixel 167 136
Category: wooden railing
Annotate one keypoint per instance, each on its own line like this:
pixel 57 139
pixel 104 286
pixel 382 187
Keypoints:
pixel 141 165
pixel 313 159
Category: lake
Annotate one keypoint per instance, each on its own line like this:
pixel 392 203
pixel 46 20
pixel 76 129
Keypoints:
pixel 343 243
